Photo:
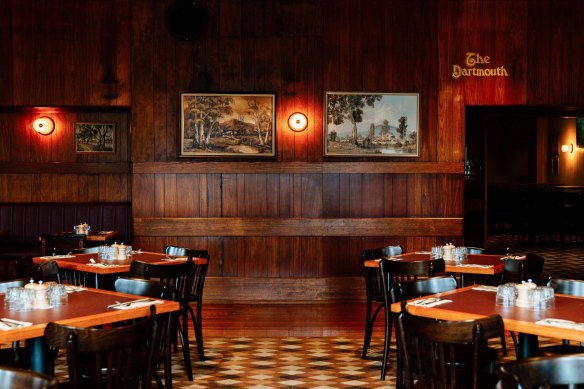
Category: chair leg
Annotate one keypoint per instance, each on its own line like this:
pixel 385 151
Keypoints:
pixel 184 339
pixel 386 344
pixel 198 326
pixel 368 330
pixel 503 345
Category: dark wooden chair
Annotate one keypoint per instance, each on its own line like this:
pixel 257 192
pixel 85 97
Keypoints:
pixel 574 288
pixel 120 357
pixel 376 295
pixel 12 378
pixel 60 244
pixel 428 348
pixel 154 289
pixel 48 271
pixel 178 275
pixel 15 356
pixel 522 270
pixel 195 295
pixel 566 371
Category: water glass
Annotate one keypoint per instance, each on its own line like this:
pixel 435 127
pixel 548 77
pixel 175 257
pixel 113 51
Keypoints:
pixel 506 294
pixel 459 253
pixel 542 298
pixel 437 252
pixel 57 294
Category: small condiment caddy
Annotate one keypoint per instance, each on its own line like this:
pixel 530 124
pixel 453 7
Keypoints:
pixel 449 252
pixel 115 252
pixel 525 295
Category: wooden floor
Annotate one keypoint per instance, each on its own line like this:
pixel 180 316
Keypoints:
pixel 281 320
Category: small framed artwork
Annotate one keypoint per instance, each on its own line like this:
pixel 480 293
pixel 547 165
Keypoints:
pixel 580 132
pixel 227 125
pixel 363 124
pixel 95 137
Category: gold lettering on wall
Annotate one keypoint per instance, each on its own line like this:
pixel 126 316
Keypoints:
pixel 470 70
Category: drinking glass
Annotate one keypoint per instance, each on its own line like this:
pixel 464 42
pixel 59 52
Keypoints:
pixel 437 252
pixel 57 294
pixel 506 294
pixel 459 253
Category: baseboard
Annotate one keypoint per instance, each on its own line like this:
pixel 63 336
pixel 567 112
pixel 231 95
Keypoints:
pixel 221 290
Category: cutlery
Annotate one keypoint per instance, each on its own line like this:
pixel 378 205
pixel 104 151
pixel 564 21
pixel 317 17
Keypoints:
pixel 10 323
pixel 428 301
pixel 128 303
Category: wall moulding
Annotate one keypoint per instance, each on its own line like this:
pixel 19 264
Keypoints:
pixel 298 167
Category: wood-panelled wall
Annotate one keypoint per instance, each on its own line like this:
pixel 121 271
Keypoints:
pixel 299 216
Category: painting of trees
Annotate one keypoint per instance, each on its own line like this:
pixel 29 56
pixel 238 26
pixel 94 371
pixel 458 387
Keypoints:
pixel 94 137
pixel 371 124
pixel 227 124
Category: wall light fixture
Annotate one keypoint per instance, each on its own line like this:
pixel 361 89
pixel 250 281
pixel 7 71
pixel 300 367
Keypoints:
pixel 44 125
pixel 568 148
pixel 298 122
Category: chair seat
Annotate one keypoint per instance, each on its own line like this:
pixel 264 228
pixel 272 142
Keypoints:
pixel 561 349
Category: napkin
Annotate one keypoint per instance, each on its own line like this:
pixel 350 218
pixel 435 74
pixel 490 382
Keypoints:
pixel 168 259
pixel 561 323
pixel 9 324
pixel 485 288
pixel 102 265
pixel 394 259
pixel 423 252
pixel 73 289
pixel 57 256
pixel 135 304
pixel 475 265
pixel 430 302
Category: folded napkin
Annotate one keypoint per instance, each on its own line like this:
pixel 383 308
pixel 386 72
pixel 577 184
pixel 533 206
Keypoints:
pixel 475 265
pixel 73 289
pixel 57 256
pixel 135 304
pixel 561 323
pixel 518 257
pixel 485 288
pixel 430 302
pixel 168 259
pixel 395 258
pixel 104 232
pixel 423 252
pixel 102 265
pixel 9 324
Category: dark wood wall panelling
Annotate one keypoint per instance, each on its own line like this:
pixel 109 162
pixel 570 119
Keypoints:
pixel 300 215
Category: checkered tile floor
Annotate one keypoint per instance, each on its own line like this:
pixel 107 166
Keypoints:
pixel 263 363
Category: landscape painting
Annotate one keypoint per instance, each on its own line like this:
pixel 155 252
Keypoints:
pixel 364 124
pixel 227 125
pixel 94 138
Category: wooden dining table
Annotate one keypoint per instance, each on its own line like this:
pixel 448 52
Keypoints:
pixel 86 307
pixel 83 262
pixel 474 302
pixel 477 264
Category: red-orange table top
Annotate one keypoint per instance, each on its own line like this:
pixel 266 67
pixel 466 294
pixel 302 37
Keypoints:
pixel 473 263
pixel 85 308
pixel 468 303
pixel 82 262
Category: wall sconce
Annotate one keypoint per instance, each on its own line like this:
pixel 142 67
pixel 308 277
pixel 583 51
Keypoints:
pixel 44 125
pixel 298 122
pixel 568 148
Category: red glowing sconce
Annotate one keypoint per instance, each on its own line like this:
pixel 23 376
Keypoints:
pixel 44 125
pixel 298 122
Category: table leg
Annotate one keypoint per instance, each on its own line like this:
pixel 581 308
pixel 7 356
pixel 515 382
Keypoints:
pixel 40 359
pixel 462 280
pixel 528 346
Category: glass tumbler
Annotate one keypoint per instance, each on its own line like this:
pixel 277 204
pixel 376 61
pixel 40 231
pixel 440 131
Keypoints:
pixel 506 294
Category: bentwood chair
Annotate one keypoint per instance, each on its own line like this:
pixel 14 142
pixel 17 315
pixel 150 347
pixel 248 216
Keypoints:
pixel 573 288
pixel 178 276
pixel 375 293
pixel 517 270
pixel 60 244
pixel 195 295
pixel 154 289
pixel 566 371
pixel 119 357
pixel 428 348
pixel 12 378
pixel 15 356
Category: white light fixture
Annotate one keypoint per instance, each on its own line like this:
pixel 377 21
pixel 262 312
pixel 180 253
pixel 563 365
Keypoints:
pixel 568 148
pixel 44 125
pixel 298 122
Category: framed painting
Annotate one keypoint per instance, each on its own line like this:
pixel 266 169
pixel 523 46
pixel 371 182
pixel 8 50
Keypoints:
pixel 93 138
pixel 580 132
pixel 227 125
pixel 364 124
